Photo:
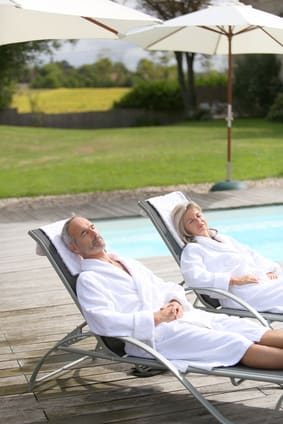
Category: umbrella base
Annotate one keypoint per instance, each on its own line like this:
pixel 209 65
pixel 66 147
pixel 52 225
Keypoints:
pixel 229 185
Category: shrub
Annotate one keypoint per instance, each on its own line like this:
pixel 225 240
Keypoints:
pixel 157 96
pixel 211 79
pixel 276 110
pixel 256 84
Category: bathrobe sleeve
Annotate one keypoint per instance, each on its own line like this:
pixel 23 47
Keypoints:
pixel 195 272
pixel 104 311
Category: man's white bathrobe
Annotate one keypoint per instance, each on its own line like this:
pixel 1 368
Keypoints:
pixel 211 263
pixel 118 304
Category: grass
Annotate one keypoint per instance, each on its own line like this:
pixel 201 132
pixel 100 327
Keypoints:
pixel 63 100
pixel 40 161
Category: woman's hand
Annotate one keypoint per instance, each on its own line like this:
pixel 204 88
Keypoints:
pixel 244 279
pixel 168 312
pixel 272 275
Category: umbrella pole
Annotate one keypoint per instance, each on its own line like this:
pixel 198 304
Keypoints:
pixel 229 109
pixel 229 184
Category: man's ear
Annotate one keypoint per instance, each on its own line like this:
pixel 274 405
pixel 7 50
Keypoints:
pixel 74 248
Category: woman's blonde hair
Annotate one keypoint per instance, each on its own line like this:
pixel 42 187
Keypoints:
pixel 177 216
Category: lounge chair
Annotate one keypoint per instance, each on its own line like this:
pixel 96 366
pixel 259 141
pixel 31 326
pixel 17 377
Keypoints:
pixel 159 209
pixel 66 265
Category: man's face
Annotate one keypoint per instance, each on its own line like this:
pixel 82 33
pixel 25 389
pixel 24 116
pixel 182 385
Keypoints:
pixel 88 241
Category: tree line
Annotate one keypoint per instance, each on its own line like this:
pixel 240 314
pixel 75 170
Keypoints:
pixel 102 73
pixel 105 73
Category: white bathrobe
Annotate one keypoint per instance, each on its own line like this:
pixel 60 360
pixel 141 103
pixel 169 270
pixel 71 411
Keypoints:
pixel 211 263
pixel 118 304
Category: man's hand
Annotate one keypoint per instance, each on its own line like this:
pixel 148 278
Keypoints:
pixel 168 312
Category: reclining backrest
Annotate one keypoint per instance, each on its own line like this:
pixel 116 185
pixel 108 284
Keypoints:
pixel 69 280
pixel 48 249
pixel 159 209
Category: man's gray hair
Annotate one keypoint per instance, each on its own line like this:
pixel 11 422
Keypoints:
pixel 65 235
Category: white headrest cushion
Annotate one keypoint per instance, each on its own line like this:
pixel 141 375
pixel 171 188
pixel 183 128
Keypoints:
pixel 71 260
pixel 165 204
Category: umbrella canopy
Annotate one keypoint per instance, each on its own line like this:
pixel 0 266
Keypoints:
pixel 27 20
pixel 225 27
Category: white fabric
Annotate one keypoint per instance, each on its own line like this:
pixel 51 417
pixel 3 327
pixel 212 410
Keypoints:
pixel 26 20
pixel 210 263
pixel 165 204
pixel 115 303
pixel 71 260
pixel 205 31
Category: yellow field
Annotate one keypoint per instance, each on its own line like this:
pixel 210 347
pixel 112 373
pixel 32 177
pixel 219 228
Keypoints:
pixel 62 100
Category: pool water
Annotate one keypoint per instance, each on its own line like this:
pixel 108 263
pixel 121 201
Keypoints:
pixel 259 227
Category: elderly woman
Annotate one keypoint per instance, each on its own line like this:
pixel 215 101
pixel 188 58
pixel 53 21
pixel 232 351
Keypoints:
pixel 214 260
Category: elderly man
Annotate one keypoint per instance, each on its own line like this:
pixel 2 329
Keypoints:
pixel 121 297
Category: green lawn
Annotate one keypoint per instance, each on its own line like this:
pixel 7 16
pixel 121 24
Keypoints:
pixel 39 161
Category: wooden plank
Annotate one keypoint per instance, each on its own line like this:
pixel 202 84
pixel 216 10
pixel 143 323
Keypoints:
pixel 22 409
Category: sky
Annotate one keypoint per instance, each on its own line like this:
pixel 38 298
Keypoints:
pixel 88 51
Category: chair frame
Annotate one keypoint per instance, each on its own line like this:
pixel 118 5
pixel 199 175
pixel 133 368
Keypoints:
pixel 111 348
pixel 203 299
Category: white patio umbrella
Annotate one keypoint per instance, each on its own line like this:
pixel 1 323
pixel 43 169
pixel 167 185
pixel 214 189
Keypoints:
pixel 225 27
pixel 27 20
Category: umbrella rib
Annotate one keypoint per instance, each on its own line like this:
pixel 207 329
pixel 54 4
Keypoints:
pixel 253 27
pixel 220 30
pixel 247 29
pixel 164 38
pixel 16 4
pixel 94 21
pixel 271 36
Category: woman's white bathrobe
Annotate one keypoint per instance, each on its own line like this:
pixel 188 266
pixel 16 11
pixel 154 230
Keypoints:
pixel 118 304
pixel 211 263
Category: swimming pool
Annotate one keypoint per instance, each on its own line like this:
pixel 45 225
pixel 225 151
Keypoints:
pixel 259 227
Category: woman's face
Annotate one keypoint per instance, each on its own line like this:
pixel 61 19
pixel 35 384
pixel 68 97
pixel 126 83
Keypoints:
pixel 195 222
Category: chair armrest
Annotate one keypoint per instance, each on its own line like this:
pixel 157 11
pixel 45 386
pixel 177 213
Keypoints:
pixel 158 356
pixel 236 299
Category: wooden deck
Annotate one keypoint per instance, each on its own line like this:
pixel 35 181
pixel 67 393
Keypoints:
pixel 36 311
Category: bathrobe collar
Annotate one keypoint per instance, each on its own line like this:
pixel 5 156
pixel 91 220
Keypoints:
pixel 219 243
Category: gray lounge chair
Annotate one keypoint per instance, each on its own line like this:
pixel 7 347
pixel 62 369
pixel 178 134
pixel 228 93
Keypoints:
pixel 158 209
pixel 112 348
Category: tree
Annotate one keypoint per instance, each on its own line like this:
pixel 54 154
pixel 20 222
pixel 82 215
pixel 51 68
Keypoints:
pixel 13 60
pixel 150 71
pixel 168 9
pixel 104 73
pixel 48 76
pixel 256 83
